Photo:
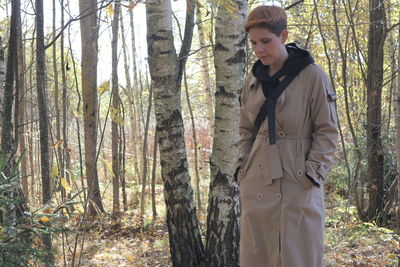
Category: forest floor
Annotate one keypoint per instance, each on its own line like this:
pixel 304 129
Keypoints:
pixel 348 241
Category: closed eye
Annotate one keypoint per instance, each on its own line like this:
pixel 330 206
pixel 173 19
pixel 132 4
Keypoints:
pixel 263 41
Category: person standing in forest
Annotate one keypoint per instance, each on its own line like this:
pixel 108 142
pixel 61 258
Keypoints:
pixel 288 138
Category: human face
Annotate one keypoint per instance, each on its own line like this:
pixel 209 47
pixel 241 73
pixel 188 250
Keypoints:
pixel 268 47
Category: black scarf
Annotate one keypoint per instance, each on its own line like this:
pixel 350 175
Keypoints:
pixel 297 60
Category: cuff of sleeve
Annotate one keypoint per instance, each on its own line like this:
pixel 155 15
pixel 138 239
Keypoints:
pixel 237 165
pixel 316 171
pixel 235 174
pixel 313 181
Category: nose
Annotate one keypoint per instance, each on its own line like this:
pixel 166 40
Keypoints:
pixel 258 48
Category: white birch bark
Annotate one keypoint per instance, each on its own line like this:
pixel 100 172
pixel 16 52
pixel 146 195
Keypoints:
pixel 222 224
pixel 166 70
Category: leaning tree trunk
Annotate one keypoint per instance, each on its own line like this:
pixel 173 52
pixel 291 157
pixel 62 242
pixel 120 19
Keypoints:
pixel 43 118
pixel 166 73
pixel 145 162
pixel 376 40
pixel 223 209
pixel 89 38
pixel 115 104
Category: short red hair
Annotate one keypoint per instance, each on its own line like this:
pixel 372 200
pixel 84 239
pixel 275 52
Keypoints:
pixel 271 17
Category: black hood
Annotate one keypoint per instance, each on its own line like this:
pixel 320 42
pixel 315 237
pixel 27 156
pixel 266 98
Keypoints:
pixel 297 60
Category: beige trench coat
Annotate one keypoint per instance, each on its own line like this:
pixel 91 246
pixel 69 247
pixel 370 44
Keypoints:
pixel 282 211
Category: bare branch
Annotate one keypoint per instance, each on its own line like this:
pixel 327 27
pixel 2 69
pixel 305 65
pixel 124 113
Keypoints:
pixel 294 4
pixel 79 17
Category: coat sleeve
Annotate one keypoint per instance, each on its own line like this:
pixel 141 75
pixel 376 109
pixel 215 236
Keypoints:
pixel 245 128
pixel 324 123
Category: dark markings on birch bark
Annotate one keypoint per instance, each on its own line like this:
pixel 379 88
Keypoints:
pixel 223 92
pixel 237 58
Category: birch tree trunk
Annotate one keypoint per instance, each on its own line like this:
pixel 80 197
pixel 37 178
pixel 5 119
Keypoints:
pixel 223 208
pixel 166 73
pixel 376 40
pixel 115 111
pixel 89 38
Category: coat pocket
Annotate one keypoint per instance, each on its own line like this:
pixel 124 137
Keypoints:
pixel 248 160
pixel 300 173
pixel 239 172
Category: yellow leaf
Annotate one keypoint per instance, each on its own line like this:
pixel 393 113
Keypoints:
pixel 395 244
pixel 48 210
pixel 54 172
pixel 79 209
pixel 115 117
pixel 76 114
pixel 65 184
pixel 58 143
pixel 109 166
pixel 132 6
pixel 44 219
pixel 65 213
pixel 105 86
pixel 110 10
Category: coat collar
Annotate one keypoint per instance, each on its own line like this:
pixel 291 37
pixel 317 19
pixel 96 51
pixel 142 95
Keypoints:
pixel 253 82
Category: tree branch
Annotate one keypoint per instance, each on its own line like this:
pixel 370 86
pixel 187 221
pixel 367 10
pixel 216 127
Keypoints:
pixel 294 4
pixel 79 17
pixel 187 39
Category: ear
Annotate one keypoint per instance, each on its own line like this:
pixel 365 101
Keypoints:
pixel 284 36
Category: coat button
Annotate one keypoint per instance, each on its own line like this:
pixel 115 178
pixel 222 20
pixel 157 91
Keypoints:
pixel 264 133
pixel 259 196
pixel 278 196
pixel 300 173
pixel 260 166
pixel 240 172
pixel 281 134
